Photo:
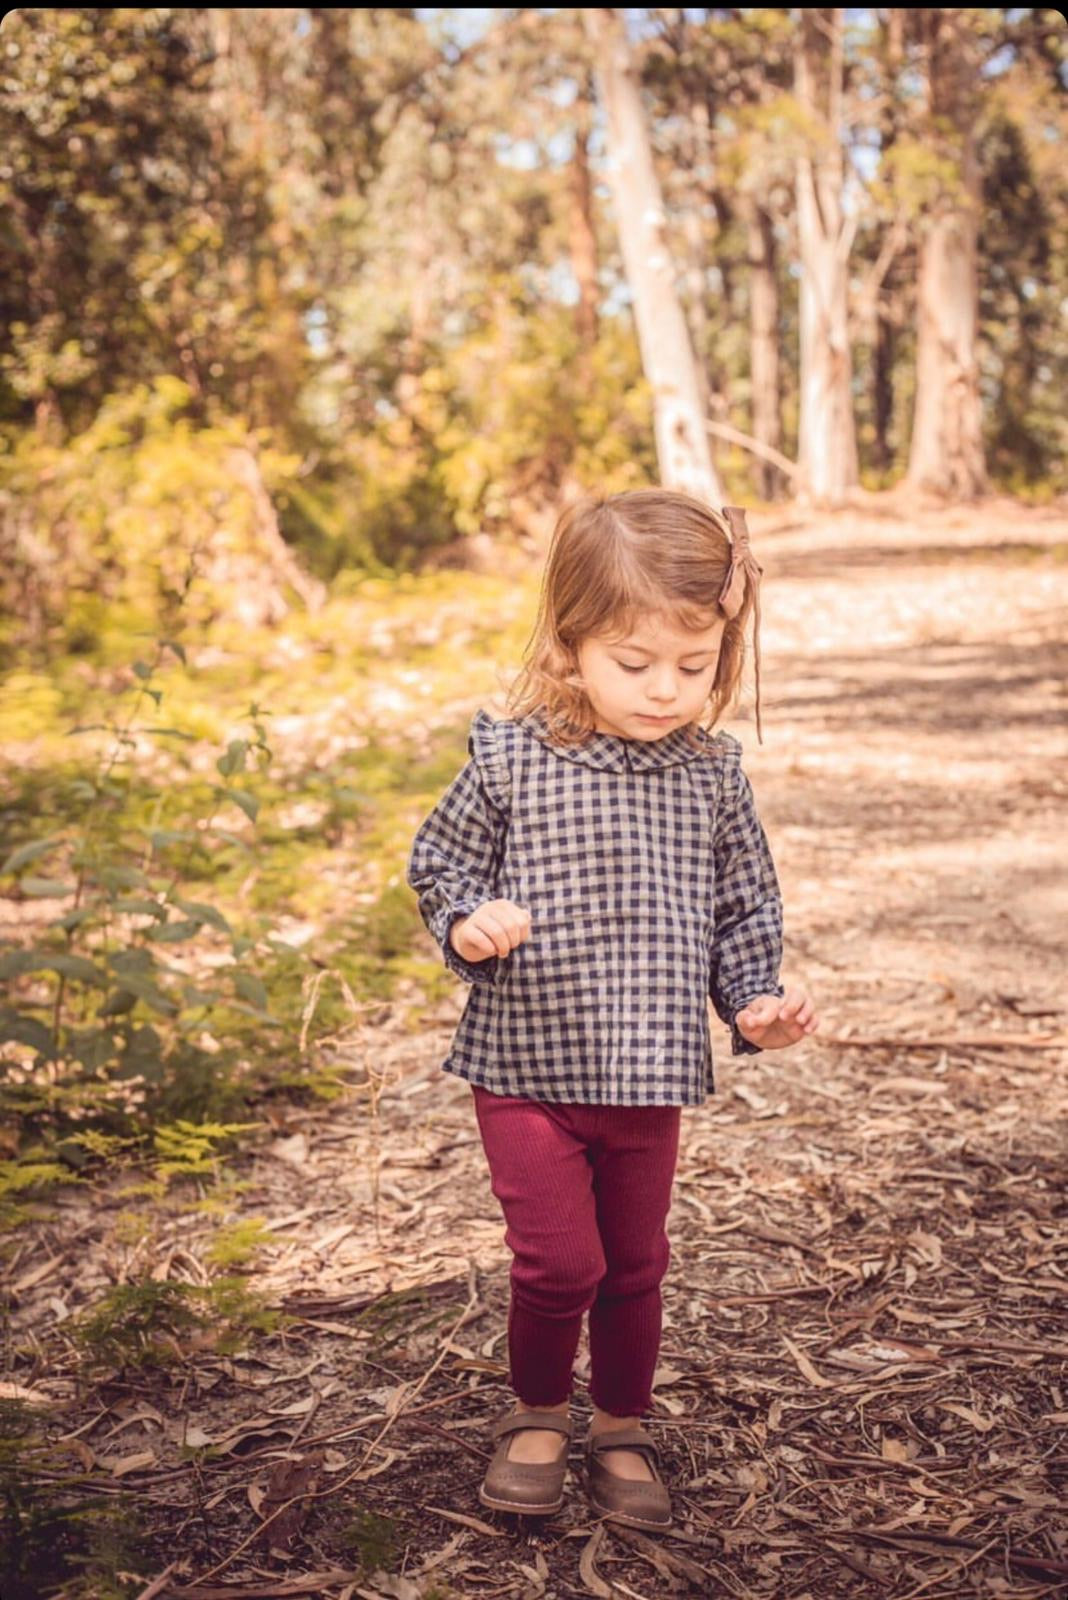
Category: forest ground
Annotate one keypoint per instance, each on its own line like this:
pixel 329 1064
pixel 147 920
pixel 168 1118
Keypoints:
pixel 863 1386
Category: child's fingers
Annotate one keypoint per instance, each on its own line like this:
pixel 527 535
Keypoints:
pixel 794 1004
pixel 504 923
pixel 516 922
pixel 761 1012
pixel 474 945
pixel 494 929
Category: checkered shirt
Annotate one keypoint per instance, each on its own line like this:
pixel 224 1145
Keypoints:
pixel 651 889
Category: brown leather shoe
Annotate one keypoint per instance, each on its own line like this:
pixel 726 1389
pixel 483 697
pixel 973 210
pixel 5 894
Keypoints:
pixel 633 1501
pixel 535 1488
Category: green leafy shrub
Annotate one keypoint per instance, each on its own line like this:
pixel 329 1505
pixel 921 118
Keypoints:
pixel 106 1031
pixel 57 1529
pixel 141 1325
pixel 99 534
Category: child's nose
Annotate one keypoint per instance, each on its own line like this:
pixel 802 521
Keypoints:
pixel 664 684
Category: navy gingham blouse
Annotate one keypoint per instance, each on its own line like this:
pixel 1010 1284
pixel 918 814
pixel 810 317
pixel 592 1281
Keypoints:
pixel 651 888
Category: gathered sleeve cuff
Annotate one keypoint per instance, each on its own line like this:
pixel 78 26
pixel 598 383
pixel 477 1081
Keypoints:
pixel 748 933
pixel 456 853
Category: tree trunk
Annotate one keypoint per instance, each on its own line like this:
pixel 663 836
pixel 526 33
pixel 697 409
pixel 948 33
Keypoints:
pixel 892 51
pixel 583 234
pixel 698 155
pixel 946 450
pixel 764 341
pixel 667 354
pixel 827 449
pixel 883 389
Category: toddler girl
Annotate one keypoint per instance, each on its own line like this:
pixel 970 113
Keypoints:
pixel 597 872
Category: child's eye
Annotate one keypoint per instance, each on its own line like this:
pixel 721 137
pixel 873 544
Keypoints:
pixel 689 672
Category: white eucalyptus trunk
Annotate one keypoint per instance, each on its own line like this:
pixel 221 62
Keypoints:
pixel 827 445
pixel 667 354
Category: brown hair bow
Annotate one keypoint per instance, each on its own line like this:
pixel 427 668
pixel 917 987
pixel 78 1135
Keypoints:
pixel 744 568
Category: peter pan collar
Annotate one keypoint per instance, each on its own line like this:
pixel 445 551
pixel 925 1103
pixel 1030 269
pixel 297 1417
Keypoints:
pixel 606 752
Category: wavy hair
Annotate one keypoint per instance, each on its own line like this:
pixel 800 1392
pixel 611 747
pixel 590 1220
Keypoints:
pixel 610 561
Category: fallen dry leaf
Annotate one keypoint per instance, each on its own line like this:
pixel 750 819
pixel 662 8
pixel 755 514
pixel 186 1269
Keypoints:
pixel 595 1584
pixel 468 1522
pixel 967 1414
pixel 119 1466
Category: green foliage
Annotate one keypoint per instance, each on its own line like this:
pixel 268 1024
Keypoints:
pixel 113 524
pixel 54 1528
pixel 372 1539
pixel 150 1324
pixel 19 1179
pixel 137 1324
pixel 188 1149
pixel 486 417
pixel 132 939
pixel 237 1244
pixel 145 235
pixel 325 858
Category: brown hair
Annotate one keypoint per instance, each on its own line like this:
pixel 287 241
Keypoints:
pixel 609 561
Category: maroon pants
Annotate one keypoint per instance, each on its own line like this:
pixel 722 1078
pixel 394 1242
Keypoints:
pixel 585 1191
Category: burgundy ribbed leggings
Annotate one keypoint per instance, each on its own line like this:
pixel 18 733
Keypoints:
pixel 585 1191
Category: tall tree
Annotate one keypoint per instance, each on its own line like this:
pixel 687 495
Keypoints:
pixel 827 448
pixel 763 338
pixel 890 50
pixel 583 233
pixel 1024 261
pixel 946 451
pixel 667 352
pixel 729 74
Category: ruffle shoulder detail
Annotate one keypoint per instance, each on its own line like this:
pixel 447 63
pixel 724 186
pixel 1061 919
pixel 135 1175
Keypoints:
pixel 725 748
pixel 487 745
pixel 718 769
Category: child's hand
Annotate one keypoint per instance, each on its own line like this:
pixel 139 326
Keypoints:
pixel 773 1022
pixel 493 930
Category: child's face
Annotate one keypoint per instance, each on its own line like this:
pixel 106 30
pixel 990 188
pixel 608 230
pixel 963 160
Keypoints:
pixel 654 680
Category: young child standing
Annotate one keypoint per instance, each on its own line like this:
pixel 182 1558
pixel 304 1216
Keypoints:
pixel 597 872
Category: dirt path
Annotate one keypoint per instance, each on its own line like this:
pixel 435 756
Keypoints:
pixel 863 1386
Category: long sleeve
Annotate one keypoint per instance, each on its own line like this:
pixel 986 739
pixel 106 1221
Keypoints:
pixel 747 952
pixel 453 865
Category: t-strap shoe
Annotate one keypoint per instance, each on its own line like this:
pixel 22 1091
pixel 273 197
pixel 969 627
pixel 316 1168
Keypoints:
pixel 633 1501
pixel 535 1488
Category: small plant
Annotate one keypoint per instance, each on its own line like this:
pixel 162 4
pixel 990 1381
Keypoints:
pixel 188 1149
pixel 141 1325
pixel 138 1324
pixel 374 1540
pixel 102 1035
pixel 55 1530
pixel 22 1178
pixel 235 1245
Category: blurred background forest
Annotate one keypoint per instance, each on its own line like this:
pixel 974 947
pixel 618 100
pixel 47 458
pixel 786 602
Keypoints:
pixel 336 288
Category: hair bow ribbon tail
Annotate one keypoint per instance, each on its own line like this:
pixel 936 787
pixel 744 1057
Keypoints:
pixel 744 568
